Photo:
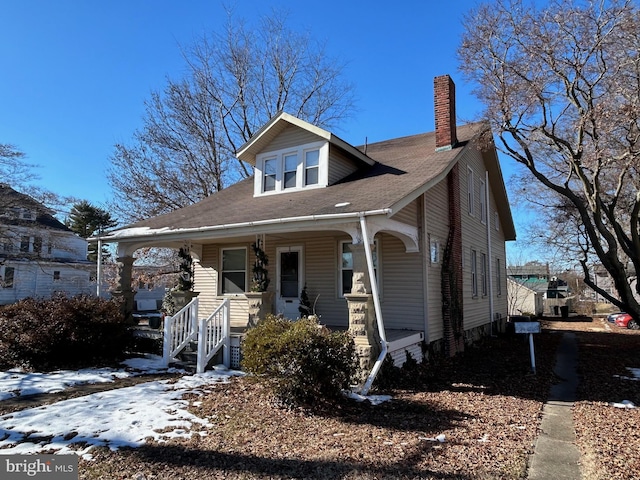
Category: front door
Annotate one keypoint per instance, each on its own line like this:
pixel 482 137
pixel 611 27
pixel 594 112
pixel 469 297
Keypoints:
pixel 290 283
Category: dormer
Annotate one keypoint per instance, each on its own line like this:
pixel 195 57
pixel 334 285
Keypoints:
pixel 289 155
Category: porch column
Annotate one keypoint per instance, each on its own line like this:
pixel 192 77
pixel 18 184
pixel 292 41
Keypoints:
pixel 362 317
pixel 123 290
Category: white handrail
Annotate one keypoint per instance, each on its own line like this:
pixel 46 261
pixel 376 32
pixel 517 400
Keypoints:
pixel 214 334
pixel 179 330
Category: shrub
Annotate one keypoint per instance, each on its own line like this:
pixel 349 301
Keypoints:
pixel 63 332
pixel 302 361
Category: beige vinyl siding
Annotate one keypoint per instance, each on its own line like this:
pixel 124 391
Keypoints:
pixel 477 309
pixel 206 275
pixel 437 227
pixel 320 257
pixel 402 285
pixel 206 280
pixel 340 166
pixel 408 214
pixel 321 263
pixel 291 137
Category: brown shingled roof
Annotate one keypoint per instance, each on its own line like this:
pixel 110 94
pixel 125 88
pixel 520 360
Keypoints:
pixel 403 167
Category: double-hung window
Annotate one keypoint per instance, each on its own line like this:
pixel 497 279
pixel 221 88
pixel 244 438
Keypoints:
pixel 311 167
pixel 346 265
pixel 6 277
pixel 470 192
pixel 269 179
pixel 234 271
pixel 483 273
pixel 291 169
pixel 474 273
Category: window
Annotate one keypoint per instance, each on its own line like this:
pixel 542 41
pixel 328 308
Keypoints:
pixel 37 245
pixel 24 244
pixel 496 221
pixel 434 251
pixel 474 273
pixel 7 277
pixel 269 175
pixel 292 168
pixel 483 273
pixel 311 167
pixel 234 270
pixel 470 191
pixel 498 277
pixel 483 202
pixel 346 265
pixel 56 275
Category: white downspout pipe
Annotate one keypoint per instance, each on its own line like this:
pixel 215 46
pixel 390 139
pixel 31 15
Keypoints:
pixel 489 270
pixel 99 269
pixel 376 306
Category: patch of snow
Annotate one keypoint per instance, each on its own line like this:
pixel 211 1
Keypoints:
pixel 623 404
pixel 373 399
pixel 17 382
pixel 440 438
pixel 121 417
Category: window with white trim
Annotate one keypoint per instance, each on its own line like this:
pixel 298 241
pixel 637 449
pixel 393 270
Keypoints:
pixel 474 273
pixel 346 265
pixel 234 271
pixel 483 202
pixel 483 273
pixel 434 251
pixel 291 169
pixel 470 191
pixel 7 276
pixel 498 277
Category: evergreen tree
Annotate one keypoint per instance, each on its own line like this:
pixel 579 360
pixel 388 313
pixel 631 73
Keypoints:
pixel 87 220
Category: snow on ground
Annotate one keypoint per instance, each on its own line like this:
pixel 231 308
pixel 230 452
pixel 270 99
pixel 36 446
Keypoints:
pixel 120 417
pixel 16 383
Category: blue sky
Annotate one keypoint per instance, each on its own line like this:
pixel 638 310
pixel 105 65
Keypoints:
pixel 76 73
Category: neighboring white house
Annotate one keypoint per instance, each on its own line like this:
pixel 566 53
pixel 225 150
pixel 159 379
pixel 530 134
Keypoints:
pixel 39 255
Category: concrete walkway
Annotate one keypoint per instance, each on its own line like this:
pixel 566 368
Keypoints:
pixel 556 455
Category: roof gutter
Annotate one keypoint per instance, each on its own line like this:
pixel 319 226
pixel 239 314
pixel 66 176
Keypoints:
pixel 215 228
pixel 376 306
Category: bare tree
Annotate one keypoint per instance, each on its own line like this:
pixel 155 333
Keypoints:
pixel 560 85
pixel 236 81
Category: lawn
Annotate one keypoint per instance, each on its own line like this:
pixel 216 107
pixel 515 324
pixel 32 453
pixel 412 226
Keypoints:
pixel 472 417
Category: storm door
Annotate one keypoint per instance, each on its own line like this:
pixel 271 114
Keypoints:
pixel 290 281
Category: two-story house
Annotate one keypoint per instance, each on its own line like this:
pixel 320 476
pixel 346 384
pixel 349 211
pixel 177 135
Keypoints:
pixel 38 254
pixel 402 242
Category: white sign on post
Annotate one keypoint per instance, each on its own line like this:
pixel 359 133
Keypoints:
pixel 530 328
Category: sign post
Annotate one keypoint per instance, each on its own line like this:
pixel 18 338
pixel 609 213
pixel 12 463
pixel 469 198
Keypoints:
pixel 530 328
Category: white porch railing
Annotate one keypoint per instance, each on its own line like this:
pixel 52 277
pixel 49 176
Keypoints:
pixel 213 335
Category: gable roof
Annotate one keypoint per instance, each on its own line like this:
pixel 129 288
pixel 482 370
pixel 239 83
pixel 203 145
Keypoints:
pixel 12 199
pixel 271 129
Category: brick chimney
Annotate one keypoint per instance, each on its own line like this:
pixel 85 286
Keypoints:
pixel 444 92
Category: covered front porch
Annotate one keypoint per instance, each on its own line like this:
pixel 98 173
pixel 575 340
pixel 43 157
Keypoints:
pixel 332 261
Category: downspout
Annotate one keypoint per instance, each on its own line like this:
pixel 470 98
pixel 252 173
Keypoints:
pixel 376 306
pixel 99 269
pixel 489 270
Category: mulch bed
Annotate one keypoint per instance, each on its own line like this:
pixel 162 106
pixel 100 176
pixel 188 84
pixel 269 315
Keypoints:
pixel 485 403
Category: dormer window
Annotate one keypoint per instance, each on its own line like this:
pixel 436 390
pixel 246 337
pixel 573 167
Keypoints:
pixel 292 169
